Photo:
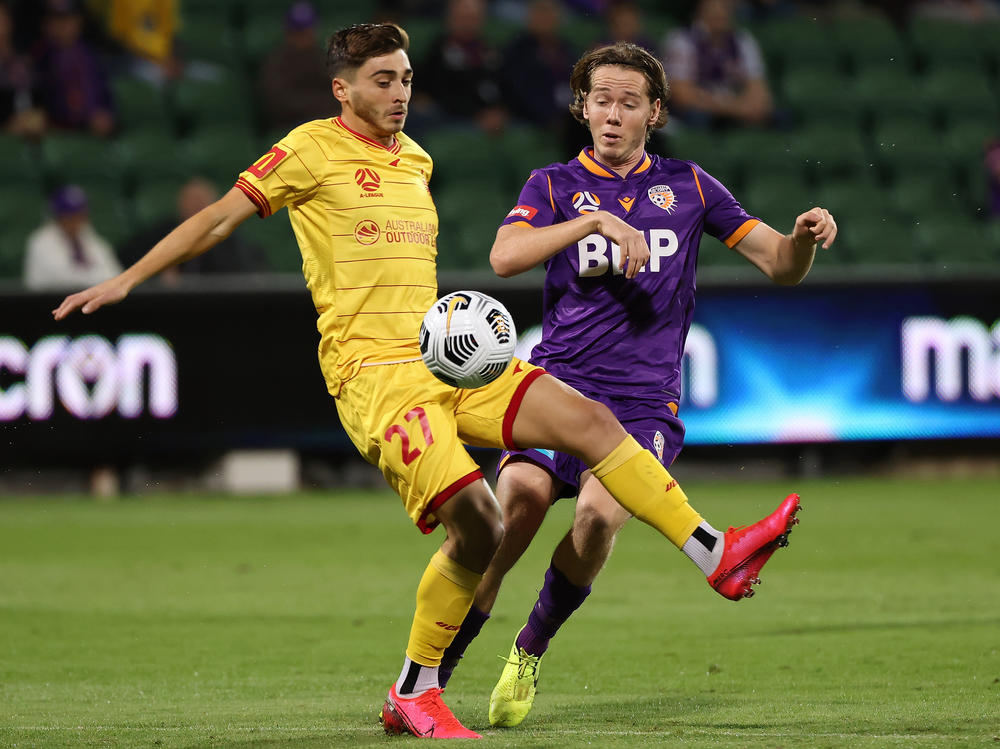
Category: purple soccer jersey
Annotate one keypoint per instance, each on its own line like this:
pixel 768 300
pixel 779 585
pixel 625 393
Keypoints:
pixel 601 331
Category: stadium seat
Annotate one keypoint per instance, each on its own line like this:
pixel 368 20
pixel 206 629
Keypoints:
pixel 961 91
pixel 776 198
pixel 275 235
pixel 966 137
pixel 868 40
pixel 890 88
pixel 221 153
pixel 755 151
pixel 206 35
pixel 216 102
pixel 68 157
pixel 141 105
pixel 921 197
pixel 840 103
pixel 463 153
pixel 903 144
pixel 705 149
pixel 154 200
pixel 829 149
pixel 851 201
pixel 21 160
pixel 873 240
pixel 945 240
pixel 524 149
pixel 151 153
pixel 941 43
pixel 470 211
pixel 788 43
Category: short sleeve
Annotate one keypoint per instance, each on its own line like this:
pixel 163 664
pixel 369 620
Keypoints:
pixel 725 218
pixel 285 174
pixel 535 206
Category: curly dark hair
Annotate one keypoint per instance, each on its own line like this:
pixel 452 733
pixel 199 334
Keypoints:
pixel 349 48
pixel 625 55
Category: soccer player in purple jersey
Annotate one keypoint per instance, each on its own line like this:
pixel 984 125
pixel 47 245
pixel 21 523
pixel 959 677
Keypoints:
pixel 614 332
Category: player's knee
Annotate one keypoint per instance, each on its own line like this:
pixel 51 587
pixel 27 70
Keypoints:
pixel 475 524
pixel 596 522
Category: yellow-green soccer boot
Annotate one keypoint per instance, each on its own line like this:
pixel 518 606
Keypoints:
pixel 514 694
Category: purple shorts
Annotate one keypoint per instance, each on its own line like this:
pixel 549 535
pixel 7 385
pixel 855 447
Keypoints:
pixel 652 424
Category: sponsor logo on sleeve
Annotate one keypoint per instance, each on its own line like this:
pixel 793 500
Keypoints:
pixel 523 211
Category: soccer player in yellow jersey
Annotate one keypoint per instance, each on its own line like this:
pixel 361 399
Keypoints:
pixel 356 189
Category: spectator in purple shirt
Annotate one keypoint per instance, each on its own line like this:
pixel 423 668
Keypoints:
pixel 74 87
pixel 716 72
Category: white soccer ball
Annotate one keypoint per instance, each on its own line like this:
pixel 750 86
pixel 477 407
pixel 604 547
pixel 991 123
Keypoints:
pixel 467 339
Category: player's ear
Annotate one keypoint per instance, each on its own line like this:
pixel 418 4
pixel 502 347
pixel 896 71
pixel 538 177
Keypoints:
pixel 340 88
pixel 655 114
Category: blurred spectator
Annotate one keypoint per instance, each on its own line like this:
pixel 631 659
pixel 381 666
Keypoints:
pixel 623 19
pixel 536 66
pixel 18 113
pixel 461 70
pixel 992 164
pixel 75 91
pixel 145 27
pixel 971 11
pixel 716 72
pixel 232 255
pixel 66 252
pixel 293 84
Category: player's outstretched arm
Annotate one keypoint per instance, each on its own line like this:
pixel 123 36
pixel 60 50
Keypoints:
pixel 194 236
pixel 517 249
pixel 786 259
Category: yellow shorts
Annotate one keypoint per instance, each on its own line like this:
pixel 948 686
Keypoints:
pixel 413 427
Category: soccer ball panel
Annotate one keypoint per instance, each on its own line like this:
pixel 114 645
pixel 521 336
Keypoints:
pixel 467 339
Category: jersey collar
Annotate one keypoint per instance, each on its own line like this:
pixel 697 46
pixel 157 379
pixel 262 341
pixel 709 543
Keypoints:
pixel 586 158
pixel 394 148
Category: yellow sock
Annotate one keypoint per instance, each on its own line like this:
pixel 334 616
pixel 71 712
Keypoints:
pixel 643 486
pixel 443 599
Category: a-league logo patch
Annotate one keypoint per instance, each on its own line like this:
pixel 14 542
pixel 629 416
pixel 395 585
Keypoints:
pixel 663 197
pixel 658 444
pixel 586 202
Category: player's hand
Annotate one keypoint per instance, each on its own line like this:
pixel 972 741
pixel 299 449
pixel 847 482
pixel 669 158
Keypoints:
pixel 815 226
pixel 634 249
pixel 89 300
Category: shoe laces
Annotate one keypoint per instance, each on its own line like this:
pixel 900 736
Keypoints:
pixel 524 661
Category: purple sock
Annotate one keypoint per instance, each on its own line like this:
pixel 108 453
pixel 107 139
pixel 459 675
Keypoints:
pixel 470 628
pixel 557 600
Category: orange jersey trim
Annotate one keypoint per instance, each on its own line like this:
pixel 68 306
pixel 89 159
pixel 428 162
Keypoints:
pixel 733 239
pixel 394 148
pixel 698 183
pixel 552 202
pixel 591 165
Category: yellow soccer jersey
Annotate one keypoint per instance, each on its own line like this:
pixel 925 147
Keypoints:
pixel 367 229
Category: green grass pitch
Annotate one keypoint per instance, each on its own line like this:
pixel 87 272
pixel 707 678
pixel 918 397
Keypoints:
pixel 204 621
